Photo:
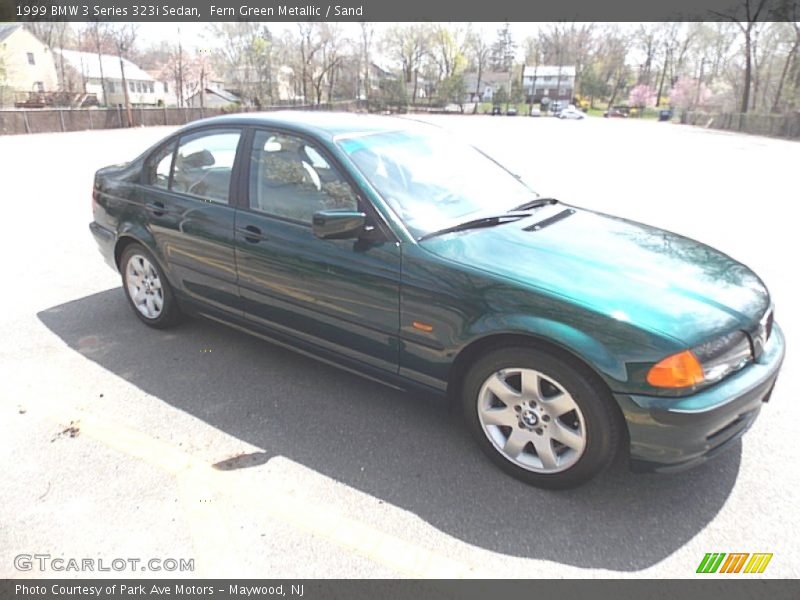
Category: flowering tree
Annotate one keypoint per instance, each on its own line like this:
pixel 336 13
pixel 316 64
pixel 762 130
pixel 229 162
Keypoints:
pixel 689 93
pixel 642 95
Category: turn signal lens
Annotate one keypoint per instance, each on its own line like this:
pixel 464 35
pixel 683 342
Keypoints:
pixel 676 371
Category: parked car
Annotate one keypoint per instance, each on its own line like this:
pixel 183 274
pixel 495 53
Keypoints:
pixel 511 112
pixel 385 247
pixel 571 113
pixel 496 110
pixel 535 112
pixel 617 112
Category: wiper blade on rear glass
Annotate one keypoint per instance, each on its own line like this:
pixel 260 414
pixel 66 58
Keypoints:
pixel 534 204
pixel 477 223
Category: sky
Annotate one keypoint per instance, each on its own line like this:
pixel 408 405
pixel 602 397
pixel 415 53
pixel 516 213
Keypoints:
pixel 195 35
pixel 192 34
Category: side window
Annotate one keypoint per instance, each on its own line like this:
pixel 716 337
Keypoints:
pixel 290 178
pixel 204 163
pixel 159 165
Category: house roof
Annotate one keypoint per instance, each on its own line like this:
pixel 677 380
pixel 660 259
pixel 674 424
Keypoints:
pixel 6 29
pixel 88 64
pixel 224 94
pixel 495 77
pixel 548 71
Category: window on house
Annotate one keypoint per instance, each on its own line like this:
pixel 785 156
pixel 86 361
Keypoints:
pixel 110 87
pixel 38 86
pixel 31 59
pixel 131 86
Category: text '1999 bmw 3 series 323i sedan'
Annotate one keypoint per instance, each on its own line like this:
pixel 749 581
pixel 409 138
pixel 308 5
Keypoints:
pixel 393 250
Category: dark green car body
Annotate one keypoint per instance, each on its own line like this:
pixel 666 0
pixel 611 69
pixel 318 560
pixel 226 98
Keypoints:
pixel 616 295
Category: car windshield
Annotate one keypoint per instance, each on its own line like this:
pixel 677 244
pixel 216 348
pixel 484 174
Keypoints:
pixel 433 181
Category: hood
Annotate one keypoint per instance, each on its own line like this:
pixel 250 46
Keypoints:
pixel 629 271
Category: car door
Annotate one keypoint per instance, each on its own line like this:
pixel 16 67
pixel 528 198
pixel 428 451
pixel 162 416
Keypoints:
pixel 187 193
pixel 341 295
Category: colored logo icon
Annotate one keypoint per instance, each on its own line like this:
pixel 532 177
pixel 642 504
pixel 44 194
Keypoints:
pixel 736 562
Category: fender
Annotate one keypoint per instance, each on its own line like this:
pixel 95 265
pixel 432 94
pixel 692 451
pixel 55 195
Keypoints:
pixel 589 350
pixel 134 231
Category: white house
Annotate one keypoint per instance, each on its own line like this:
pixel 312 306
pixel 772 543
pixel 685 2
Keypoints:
pixel 549 81
pixel 27 63
pixel 143 89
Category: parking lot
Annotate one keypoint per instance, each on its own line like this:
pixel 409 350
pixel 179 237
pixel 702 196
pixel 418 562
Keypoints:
pixel 204 443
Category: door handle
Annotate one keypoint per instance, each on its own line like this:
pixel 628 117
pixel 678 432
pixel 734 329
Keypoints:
pixel 251 233
pixel 157 208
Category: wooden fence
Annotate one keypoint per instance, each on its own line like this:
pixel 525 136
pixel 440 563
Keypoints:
pixel 785 126
pixel 65 119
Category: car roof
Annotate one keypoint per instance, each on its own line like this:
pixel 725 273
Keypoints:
pixel 322 124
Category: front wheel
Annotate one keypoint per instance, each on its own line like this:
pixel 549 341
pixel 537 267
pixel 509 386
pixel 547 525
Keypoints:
pixel 147 289
pixel 542 419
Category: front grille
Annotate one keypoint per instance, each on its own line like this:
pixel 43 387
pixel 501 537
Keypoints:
pixel 761 333
pixel 769 320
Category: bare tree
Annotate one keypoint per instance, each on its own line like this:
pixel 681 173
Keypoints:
pixel 790 61
pixel 124 37
pixel 479 51
pixel 647 42
pixel 98 33
pixel 367 34
pixel 331 43
pixel 408 44
pixel 752 11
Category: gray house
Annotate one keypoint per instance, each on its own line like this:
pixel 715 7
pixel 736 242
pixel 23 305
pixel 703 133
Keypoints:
pixel 491 82
pixel 214 97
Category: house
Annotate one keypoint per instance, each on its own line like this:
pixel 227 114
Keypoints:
pixel 214 97
pixel 491 83
pixel 26 64
pixel 88 71
pixel 556 83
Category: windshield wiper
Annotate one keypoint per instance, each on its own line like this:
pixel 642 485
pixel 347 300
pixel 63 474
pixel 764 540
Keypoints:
pixel 477 223
pixel 534 204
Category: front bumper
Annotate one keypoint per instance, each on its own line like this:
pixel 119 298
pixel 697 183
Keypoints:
pixel 672 434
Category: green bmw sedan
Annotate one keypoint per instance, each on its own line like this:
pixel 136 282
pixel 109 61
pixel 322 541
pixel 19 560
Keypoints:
pixel 397 252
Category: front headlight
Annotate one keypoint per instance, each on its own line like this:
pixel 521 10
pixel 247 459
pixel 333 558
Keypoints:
pixel 706 363
pixel 724 355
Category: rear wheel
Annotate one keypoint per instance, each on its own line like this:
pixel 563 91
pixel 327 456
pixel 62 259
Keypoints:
pixel 147 289
pixel 542 419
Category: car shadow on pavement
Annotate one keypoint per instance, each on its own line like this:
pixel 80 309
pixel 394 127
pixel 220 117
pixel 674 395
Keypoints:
pixel 400 448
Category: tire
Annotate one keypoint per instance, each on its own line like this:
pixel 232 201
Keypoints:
pixel 543 419
pixel 147 289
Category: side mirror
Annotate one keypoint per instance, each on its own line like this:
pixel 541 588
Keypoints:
pixel 338 224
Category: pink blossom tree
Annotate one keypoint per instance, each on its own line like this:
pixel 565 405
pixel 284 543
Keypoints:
pixel 689 93
pixel 641 96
